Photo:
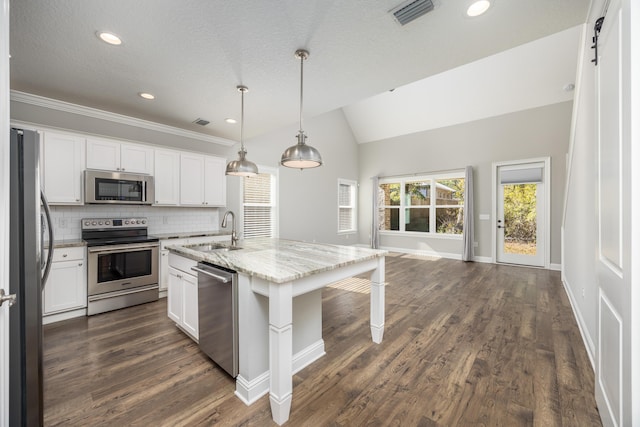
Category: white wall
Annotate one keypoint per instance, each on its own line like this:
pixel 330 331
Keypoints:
pixel 308 199
pixel 538 132
pixel 579 222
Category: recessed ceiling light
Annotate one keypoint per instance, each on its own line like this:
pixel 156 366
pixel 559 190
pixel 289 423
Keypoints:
pixel 478 8
pixel 231 121
pixel 146 95
pixel 109 38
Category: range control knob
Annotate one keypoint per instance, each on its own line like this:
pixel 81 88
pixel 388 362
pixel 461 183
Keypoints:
pixel 126 222
pixel 87 223
pixel 138 221
pixel 144 221
pixel 99 222
pixel 94 223
pixel 107 222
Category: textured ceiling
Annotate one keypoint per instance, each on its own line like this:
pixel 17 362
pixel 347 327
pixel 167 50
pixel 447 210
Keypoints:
pixel 192 53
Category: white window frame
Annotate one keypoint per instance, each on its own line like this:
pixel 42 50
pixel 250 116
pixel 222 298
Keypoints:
pixel 432 179
pixel 353 206
pixel 275 201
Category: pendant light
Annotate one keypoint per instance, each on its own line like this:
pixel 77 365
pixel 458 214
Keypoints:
pixel 242 166
pixel 301 155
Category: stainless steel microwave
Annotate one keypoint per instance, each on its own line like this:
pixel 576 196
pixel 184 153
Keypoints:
pixel 117 188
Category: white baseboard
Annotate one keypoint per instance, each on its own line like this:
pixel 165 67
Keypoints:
pixel 555 267
pixel 58 317
pixel 250 391
pixel 582 327
pixel 483 259
pixel 307 356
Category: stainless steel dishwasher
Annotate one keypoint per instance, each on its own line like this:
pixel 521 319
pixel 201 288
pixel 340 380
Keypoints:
pixel 218 315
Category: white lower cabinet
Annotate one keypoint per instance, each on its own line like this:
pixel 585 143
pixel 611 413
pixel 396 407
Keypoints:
pixel 66 287
pixel 164 255
pixel 182 294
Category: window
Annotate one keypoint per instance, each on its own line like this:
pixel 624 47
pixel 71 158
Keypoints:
pixel 259 205
pixel 432 204
pixel 347 196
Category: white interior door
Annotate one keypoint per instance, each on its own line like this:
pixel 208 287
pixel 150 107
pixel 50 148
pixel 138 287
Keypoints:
pixel 521 206
pixel 4 210
pixel 616 380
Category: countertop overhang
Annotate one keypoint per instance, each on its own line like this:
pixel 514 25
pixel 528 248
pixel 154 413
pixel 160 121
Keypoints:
pixel 280 260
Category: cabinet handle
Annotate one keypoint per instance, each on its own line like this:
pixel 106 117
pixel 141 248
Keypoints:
pixel 79 264
pixel 77 200
pixel 64 255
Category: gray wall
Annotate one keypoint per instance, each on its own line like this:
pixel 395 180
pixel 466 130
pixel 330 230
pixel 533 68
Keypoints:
pixel 308 199
pixel 538 132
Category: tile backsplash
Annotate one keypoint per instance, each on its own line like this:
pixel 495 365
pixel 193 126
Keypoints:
pixel 66 219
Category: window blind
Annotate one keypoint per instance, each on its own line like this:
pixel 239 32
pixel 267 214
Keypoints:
pixel 259 209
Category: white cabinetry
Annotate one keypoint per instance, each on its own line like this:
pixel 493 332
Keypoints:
pixel 202 180
pixel 105 154
pixel 63 164
pixel 164 255
pixel 66 287
pixel 182 294
pixel 167 177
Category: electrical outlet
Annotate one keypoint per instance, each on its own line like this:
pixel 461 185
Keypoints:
pixel 583 292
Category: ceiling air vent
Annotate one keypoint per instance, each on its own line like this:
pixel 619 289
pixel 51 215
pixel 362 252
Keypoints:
pixel 201 122
pixel 410 10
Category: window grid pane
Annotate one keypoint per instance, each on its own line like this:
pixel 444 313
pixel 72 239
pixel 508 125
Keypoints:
pixel 426 204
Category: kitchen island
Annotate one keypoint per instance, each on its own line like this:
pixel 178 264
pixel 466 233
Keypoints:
pixel 280 307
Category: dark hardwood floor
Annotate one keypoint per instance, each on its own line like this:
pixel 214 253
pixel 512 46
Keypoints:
pixel 464 344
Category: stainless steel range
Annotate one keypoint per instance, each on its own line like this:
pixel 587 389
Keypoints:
pixel 122 263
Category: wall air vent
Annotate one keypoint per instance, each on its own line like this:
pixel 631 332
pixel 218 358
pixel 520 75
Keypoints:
pixel 411 10
pixel 201 122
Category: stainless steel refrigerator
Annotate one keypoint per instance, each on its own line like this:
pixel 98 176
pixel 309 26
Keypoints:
pixel 28 270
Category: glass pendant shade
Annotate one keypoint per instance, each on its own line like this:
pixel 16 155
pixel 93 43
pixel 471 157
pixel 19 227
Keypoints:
pixel 242 166
pixel 301 155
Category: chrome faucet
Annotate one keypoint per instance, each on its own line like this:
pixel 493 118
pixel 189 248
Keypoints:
pixel 234 236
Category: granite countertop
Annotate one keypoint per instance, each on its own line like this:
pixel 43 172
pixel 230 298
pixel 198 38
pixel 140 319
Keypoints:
pixel 187 234
pixel 66 243
pixel 279 260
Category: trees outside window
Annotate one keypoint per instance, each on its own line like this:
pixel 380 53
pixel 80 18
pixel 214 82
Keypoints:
pixel 424 204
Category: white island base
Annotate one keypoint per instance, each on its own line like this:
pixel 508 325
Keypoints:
pixel 280 329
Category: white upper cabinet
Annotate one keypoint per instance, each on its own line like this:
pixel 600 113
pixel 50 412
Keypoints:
pixel 63 165
pixel 191 179
pixel 202 180
pixel 215 181
pixel 167 177
pixel 105 154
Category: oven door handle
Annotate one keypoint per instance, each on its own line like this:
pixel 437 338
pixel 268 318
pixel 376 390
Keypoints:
pixel 121 248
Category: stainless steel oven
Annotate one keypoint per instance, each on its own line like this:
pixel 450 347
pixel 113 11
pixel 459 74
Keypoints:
pixel 122 263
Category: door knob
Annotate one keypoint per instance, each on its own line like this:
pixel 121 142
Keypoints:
pixel 11 298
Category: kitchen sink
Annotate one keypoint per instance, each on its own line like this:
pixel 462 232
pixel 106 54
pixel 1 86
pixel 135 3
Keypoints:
pixel 214 247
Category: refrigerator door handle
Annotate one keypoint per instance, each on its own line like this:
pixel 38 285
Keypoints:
pixel 47 214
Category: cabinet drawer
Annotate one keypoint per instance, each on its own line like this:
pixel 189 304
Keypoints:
pixel 183 264
pixel 68 254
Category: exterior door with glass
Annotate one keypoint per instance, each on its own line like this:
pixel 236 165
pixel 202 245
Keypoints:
pixel 521 227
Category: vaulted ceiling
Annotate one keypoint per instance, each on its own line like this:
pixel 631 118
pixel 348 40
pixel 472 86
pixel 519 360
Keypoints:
pixel 191 54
